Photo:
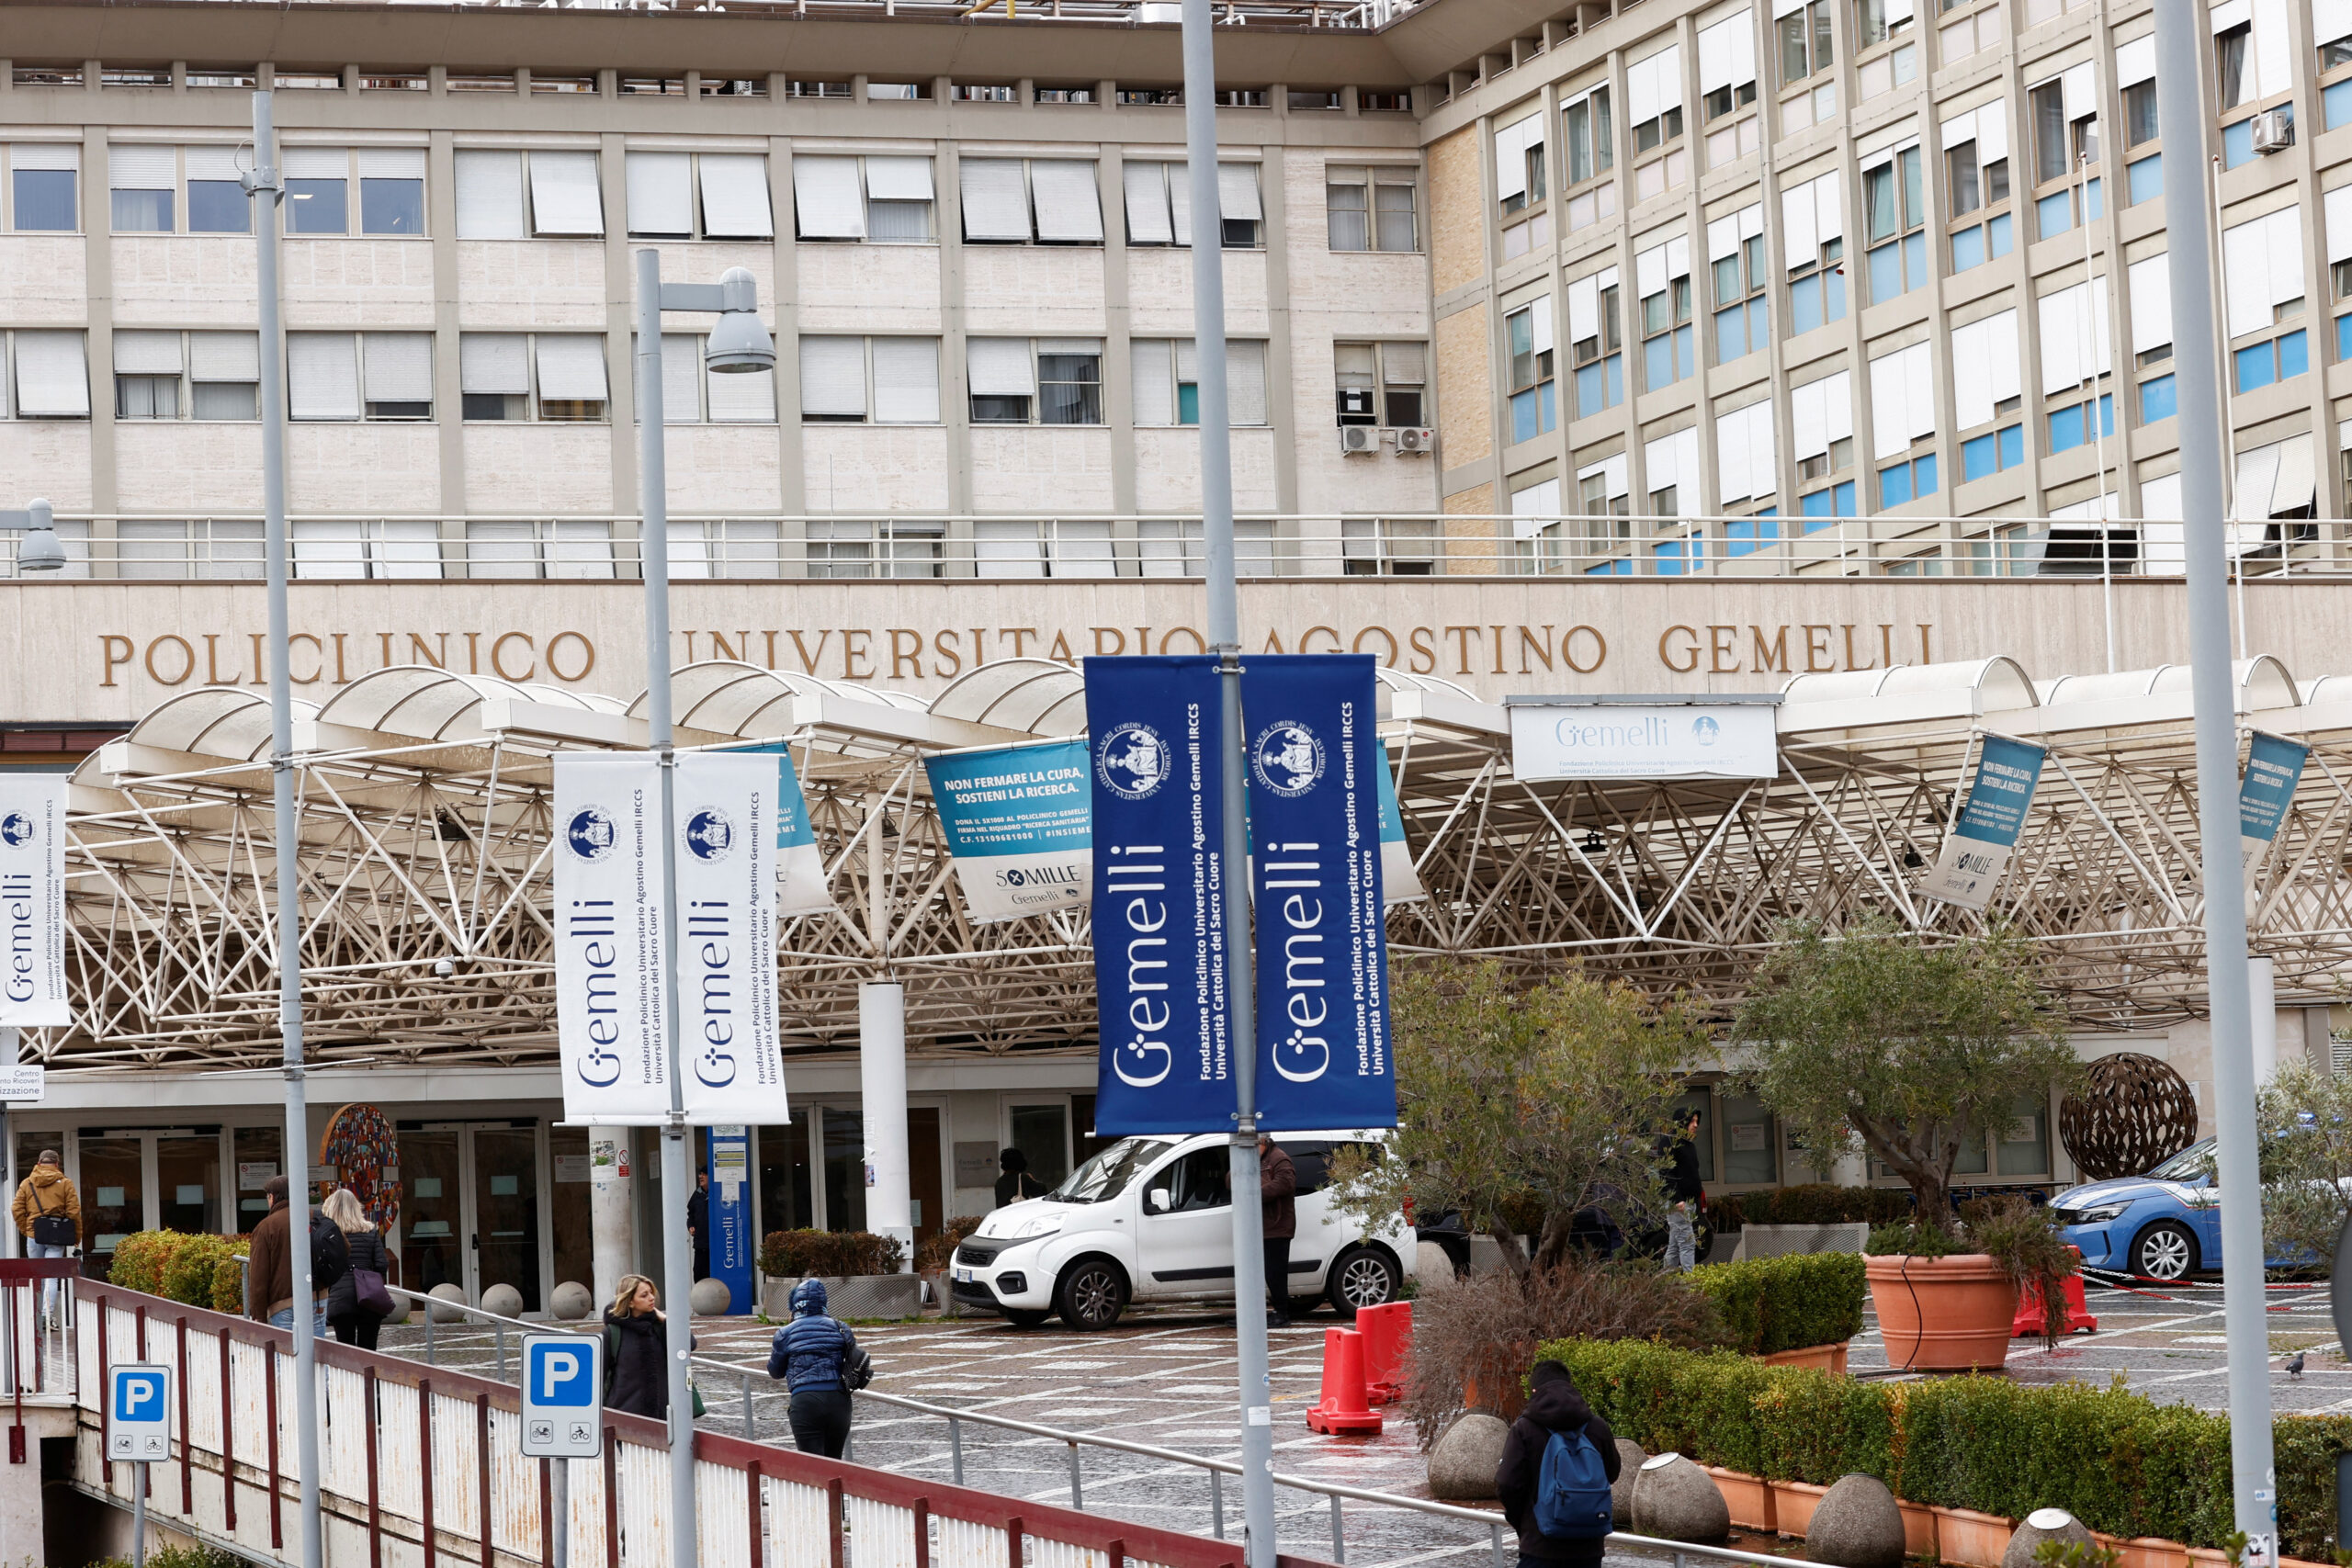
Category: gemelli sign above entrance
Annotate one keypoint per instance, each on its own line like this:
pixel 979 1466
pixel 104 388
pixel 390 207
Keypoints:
pixel 1627 739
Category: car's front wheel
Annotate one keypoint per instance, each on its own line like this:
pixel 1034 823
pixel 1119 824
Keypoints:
pixel 1091 1294
pixel 1362 1277
pixel 2166 1250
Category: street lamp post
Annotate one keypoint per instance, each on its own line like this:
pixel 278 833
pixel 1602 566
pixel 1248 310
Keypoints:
pixel 739 345
pixel 1225 641
pixel 38 551
pixel 263 188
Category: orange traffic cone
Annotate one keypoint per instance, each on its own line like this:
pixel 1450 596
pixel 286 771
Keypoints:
pixel 1342 1409
pixel 1386 1331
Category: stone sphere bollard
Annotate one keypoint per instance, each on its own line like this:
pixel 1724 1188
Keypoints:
pixel 503 1300
pixel 447 1301
pixel 710 1298
pixel 571 1301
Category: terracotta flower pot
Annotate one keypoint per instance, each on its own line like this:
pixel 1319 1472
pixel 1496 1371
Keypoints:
pixel 2148 1551
pixel 1825 1357
pixel 1750 1500
pixel 1942 1315
pixel 1965 1536
pixel 1792 1506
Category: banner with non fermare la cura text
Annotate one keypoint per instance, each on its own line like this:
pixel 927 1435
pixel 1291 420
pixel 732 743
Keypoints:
pixel 1016 819
pixel 33 899
pixel 1160 958
pixel 1315 763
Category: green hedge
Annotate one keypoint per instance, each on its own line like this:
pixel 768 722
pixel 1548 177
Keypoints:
pixel 198 1270
pixel 1771 1304
pixel 831 1255
pixel 2116 1460
pixel 1815 1204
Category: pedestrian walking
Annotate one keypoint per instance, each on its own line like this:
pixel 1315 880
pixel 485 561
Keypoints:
pixel 818 1358
pixel 637 1354
pixel 698 1224
pixel 48 1213
pixel 1277 1192
pixel 1015 1183
pixel 351 1312
pixel 269 1263
pixel 1688 1194
pixel 1549 1476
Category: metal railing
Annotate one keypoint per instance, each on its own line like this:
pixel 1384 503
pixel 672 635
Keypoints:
pixel 1352 14
pixel 850 546
pixel 1499 1541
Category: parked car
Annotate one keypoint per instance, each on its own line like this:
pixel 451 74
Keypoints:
pixel 1151 1219
pixel 2163 1226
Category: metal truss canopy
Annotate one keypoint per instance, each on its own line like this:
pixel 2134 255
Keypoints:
pixel 424 818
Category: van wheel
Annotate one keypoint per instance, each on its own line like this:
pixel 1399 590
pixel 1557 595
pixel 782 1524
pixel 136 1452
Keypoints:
pixel 1362 1277
pixel 1091 1295
pixel 1025 1318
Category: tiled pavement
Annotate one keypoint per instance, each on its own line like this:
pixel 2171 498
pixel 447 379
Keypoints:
pixel 1166 1377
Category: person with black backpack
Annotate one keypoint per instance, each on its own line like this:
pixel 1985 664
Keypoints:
pixel 269 1263
pixel 1558 1462
pixel 819 1361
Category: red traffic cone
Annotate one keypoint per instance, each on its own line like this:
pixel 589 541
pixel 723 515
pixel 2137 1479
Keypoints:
pixel 1386 1331
pixel 1342 1409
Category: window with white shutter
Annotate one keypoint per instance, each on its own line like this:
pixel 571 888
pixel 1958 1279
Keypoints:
pixel 217 202
pixel 1243 216
pixel 1151 367
pixel 1167 389
pixel 906 380
pixel 224 374
pixel 1821 440
pixel 572 384
pixel 740 397
pixel 1069 208
pixel 897 200
pixel 1146 194
pixel 833 378
pixel 391 190
pixel 318 189
pixel 143 182
pixel 565 197
pixel 495 375
pixel 147 375
pixel 2263 287
pixel 1727 66
pixel 1002 377
pixel 43 185
pixel 662 194
pixel 323 375
pixel 1903 425
pixel 490 195
pixel 396 372
pixel 996 200
pixel 735 196
pixel 826 200
pixel 1987 383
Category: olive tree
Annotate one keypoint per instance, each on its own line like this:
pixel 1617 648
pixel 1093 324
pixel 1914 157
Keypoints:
pixel 1913 1046
pixel 1520 1105
pixel 2305 1120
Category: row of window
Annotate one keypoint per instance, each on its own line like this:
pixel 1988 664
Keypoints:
pixel 560 377
pixel 504 195
pixel 713 85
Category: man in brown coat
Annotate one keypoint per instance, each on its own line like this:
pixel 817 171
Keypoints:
pixel 1277 1186
pixel 269 1265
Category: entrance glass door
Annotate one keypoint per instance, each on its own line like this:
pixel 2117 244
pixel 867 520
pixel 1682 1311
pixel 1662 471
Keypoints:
pixel 187 1183
pixel 114 1197
pixel 433 1219
pixel 505 1222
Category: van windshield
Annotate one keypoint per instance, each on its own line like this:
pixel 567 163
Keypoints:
pixel 1108 1174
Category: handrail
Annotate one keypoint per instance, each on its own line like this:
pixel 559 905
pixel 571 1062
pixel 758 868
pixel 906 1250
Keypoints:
pixel 1331 1489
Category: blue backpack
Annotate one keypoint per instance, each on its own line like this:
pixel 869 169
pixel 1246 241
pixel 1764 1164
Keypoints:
pixel 1572 1497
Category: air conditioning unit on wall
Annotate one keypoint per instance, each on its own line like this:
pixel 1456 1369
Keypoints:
pixel 2274 131
pixel 1359 438
pixel 1422 441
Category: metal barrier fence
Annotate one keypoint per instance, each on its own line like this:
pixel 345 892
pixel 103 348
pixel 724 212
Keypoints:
pixel 853 546
pixel 417 1457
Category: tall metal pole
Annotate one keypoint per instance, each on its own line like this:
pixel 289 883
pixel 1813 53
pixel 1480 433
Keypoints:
pixel 1225 641
pixel 2180 110
pixel 263 187
pixel 677 1181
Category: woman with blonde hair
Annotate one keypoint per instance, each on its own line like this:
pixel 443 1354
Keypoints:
pixel 358 1301
pixel 637 1358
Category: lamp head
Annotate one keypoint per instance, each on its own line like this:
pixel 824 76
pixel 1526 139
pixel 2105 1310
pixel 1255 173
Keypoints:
pixel 40 549
pixel 739 345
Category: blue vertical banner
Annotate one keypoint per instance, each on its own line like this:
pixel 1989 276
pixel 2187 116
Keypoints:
pixel 1311 721
pixel 1159 875
pixel 2273 768
pixel 731 1242
pixel 1969 867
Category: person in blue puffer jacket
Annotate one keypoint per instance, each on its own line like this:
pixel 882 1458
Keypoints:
pixel 808 1354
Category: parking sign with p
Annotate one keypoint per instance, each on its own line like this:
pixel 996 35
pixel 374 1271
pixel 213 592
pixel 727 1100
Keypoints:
pixel 138 1408
pixel 563 1396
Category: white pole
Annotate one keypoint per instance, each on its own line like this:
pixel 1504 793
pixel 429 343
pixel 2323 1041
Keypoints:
pixel 9 1058
pixel 612 1219
pixel 2262 1017
pixel 264 190
pixel 882 1090
pixel 2180 74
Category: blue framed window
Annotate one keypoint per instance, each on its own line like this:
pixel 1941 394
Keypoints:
pixel 1895 210
pixel 1600 385
pixel 1677 558
pixel 2281 359
pixel 1974 187
pixel 1533 409
pixel 1668 337
pixel 1598 354
pixel 1824 506
pixel 1619 567
pixel 2335 104
pixel 1908 481
pixel 1992 453
pixel 2053 214
pixel 1746 536
pixel 2070 426
pixel 1742 322
pixel 2157 399
pixel 1819 296
pixel 2344 337
pixel 44 198
pixel 2237 143
pixel 2145 181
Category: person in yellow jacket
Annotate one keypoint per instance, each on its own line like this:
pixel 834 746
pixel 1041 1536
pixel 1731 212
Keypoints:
pixel 48 1213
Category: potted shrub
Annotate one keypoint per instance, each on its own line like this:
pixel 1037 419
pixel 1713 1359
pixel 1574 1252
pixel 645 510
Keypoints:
pixel 1946 1295
pixel 860 1271
pixel 1795 1311
pixel 1911 1046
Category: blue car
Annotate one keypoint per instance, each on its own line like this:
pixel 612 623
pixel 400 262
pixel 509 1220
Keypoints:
pixel 2163 1226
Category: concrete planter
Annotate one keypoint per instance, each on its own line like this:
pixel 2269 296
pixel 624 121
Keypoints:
pixel 1821 1358
pixel 862 1295
pixel 1943 1315
pixel 1749 1500
pixel 1964 1536
pixel 1791 1241
pixel 1792 1504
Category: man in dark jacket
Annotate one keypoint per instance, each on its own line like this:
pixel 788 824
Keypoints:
pixel 1553 1405
pixel 698 1224
pixel 1686 1194
pixel 269 1265
pixel 1277 1189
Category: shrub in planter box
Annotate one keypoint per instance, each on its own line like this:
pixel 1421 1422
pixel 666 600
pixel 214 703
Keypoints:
pixel 1771 1304
pixel 830 1255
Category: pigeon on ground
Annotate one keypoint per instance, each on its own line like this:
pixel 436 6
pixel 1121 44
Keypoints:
pixel 2295 1365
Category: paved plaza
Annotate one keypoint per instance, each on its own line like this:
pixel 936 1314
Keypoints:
pixel 1165 1377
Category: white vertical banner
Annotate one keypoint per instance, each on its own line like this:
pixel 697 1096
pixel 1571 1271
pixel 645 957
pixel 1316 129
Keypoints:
pixel 726 849
pixel 33 899
pixel 608 947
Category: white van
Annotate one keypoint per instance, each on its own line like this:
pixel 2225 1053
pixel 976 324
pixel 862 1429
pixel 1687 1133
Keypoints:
pixel 1149 1219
